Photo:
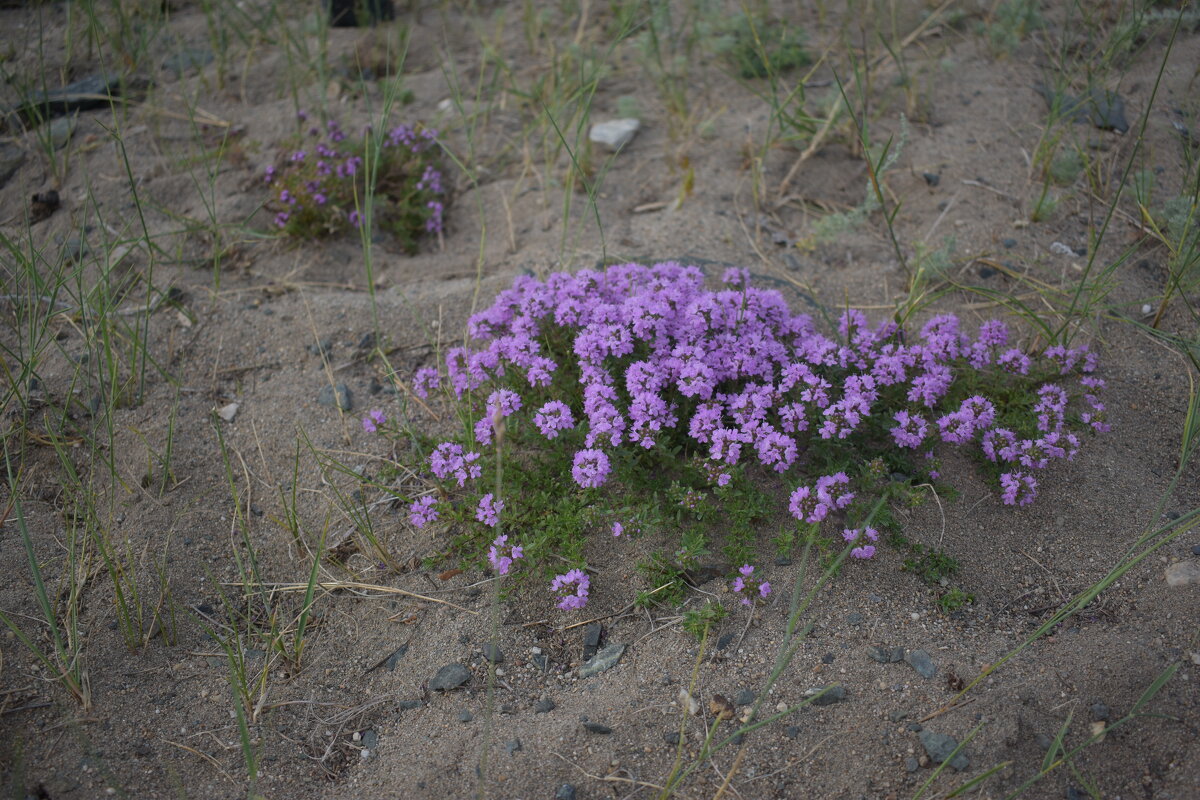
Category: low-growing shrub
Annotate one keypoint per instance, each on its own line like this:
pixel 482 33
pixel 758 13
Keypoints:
pixel 321 184
pixel 667 405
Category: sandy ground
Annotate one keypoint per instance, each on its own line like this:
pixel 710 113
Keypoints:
pixel 348 726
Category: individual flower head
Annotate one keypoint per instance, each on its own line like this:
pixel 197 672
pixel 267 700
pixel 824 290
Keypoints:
pixel 423 511
pixel 448 460
pixel 1018 488
pixel 749 587
pixel 553 418
pixel 590 469
pixel 488 510
pixel 617 529
pixel 425 379
pixel 831 490
pixel 374 418
pixel 502 555
pixel 863 552
pixel 572 588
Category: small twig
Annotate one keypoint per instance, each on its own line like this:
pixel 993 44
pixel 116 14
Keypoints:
pixel 330 586
pixel 609 778
pixel 946 709
pixel 206 757
pixel 990 189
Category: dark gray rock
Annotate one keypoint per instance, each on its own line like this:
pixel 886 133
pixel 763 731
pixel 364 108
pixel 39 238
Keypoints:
pixel 726 640
pixel 886 655
pixel 1195 548
pixel 512 746
pixel 591 640
pixel 351 14
pixel 604 660
pixel 931 178
pixel 336 397
pixel 409 705
pixel 922 663
pixel 322 347
pixel 671 737
pixel 596 727
pixel 541 661
pixel 543 706
pixel 92 92
pixel 370 739
pixel 1009 244
pixel 939 746
pixel 911 764
pixel 792 731
pixel 493 653
pixel 11 159
pixel 449 677
pixel 465 716
pixel 855 618
pixel 565 792
pixel 826 695
pixel 745 697
pixel 391 661
pixel 915 727
pixel 1100 712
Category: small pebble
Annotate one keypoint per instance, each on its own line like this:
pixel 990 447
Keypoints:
pixel 465 716
pixel 565 792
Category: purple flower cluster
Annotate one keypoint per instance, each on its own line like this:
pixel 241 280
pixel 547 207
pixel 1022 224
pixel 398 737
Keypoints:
pixel 572 588
pixel 501 555
pixel 749 587
pixel 449 461
pixel 423 511
pixel 318 186
pixel 637 354
pixel 855 534
pixel 374 418
pixel 488 510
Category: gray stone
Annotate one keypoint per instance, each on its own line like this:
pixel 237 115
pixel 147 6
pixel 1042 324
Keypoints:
pixel 493 653
pixel 513 746
pixel 1100 712
pixel 614 134
pixel 336 397
pixel 596 727
pixel 565 792
pixel 826 695
pixel 591 640
pixel 911 764
pixel 605 659
pixel 939 746
pixel 1183 573
pixel 11 159
pixel 409 705
pixel 61 130
pixel 855 618
pixel 95 91
pixel 922 663
pixel 465 716
pixel 543 706
pixel 449 677
pixel 370 739
pixel 1195 547
pixel 671 737
pixel 886 655
pixel 745 697
pixel 725 640
pixel 1009 244
pixel 187 59
pixel 791 731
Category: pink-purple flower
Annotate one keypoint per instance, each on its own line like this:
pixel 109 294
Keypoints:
pixel 749 586
pixel 488 510
pixel 501 555
pixel 590 469
pixel 373 420
pixel 572 589
pixel 423 511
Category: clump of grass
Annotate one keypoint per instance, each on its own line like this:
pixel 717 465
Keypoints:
pixel 760 48
pixel 322 181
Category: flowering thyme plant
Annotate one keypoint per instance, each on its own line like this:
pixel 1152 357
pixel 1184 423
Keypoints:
pixel 643 376
pixel 320 181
